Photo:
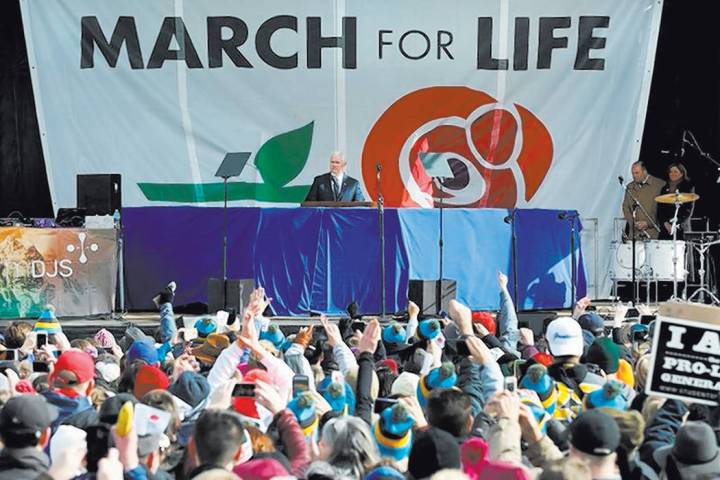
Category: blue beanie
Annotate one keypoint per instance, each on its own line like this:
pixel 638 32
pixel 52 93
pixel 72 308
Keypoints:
pixel 273 335
pixel 142 350
pixel 340 396
pixel 386 472
pixel 303 407
pixel 539 413
pixel 428 329
pixel 205 326
pixel 393 432
pixel 609 396
pixel 394 333
pixel 441 377
pixel 537 379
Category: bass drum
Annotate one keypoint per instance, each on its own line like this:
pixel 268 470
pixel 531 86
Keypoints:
pixel 621 268
pixel 660 260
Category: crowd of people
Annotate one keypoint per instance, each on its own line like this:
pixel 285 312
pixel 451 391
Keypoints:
pixel 467 395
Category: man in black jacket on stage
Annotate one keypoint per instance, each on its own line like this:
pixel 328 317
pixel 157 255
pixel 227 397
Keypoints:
pixel 335 186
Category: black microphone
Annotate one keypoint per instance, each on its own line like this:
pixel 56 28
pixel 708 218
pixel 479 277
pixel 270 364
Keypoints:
pixel 562 215
pixel 621 179
pixel 508 219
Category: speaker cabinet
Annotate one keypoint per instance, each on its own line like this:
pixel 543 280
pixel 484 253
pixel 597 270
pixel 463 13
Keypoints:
pixel 424 294
pixel 238 294
pixel 99 194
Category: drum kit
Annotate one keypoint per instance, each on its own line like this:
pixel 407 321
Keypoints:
pixel 665 260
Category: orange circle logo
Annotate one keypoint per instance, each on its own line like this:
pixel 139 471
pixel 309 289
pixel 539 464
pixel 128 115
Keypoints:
pixel 497 153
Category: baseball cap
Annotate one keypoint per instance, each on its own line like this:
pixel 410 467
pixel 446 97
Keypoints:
pixel 27 414
pixel 564 337
pixel 595 433
pixel 73 367
pixel 592 322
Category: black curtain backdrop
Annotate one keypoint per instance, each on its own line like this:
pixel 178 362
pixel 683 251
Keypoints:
pixel 685 95
pixel 23 181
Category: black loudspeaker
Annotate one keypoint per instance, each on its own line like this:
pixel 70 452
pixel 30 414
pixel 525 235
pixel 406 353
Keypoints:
pixel 99 194
pixel 238 294
pixel 424 294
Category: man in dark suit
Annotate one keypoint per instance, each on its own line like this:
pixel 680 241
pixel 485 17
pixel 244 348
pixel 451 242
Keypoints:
pixel 335 186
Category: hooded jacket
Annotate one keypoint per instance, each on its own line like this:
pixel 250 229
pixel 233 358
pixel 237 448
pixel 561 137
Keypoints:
pixel 23 463
pixel 67 406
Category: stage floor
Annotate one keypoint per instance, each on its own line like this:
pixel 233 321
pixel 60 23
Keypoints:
pixel 149 321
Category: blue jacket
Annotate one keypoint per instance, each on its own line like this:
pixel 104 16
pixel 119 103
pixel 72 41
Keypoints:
pixel 67 406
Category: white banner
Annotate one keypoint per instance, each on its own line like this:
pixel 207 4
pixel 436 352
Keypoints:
pixel 533 104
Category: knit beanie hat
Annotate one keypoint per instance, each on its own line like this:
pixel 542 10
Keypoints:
pixel 604 353
pixel 537 379
pixel 274 335
pixel 205 326
pixel 340 397
pixel 394 333
pixel 631 424
pixel 47 322
pixel 149 378
pixel 385 472
pixel 609 396
pixel 390 363
pixel 486 320
pixel 303 407
pixel 541 415
pixel 393 432
pixel 625 373
pixel 142 350
pixel 433 450
pixel 406 384
pixel 441 377
pixel 428 329
pixel 477 466
pixel 192 388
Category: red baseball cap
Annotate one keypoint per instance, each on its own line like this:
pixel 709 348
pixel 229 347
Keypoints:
pixel 72 367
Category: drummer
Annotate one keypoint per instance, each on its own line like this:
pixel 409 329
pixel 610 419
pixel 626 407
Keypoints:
pixel 678 181
pixel 644 188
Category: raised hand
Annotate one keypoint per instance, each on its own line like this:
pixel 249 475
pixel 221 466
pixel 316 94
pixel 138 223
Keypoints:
pixel 413 309
pixel 502 280
pixel 332 331
pixel 370 337
pixel 580 307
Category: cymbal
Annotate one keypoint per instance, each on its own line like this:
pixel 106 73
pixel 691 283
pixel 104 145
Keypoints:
pixel 677 197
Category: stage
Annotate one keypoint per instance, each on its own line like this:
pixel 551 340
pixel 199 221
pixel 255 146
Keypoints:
pixel 321 259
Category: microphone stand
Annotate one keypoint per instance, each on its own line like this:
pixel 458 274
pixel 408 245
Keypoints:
pixel 633 240
pixel 438 287
pixel 381 234
pixel 571 217
pixel 635 205
pixel 511 220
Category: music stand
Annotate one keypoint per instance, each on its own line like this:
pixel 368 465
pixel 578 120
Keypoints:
pixel 437 167
pixel 231 166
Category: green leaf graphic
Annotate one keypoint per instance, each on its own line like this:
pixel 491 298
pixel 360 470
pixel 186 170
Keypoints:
pixel 214 192
pixel 283 157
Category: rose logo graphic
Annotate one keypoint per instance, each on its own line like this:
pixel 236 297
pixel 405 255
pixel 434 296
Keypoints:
pixel 497 153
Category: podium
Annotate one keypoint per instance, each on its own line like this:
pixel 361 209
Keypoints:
pixel 337 204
